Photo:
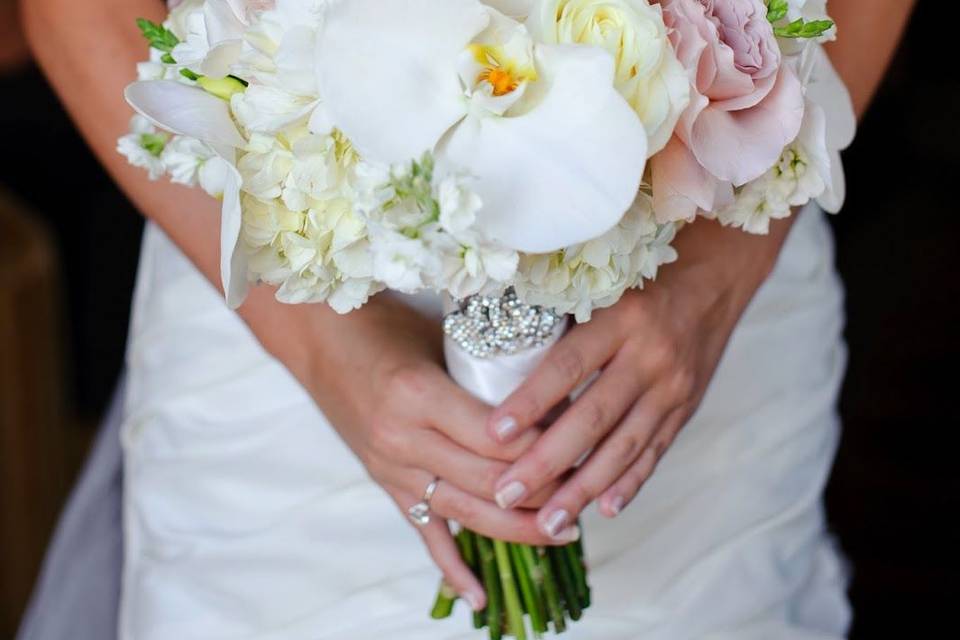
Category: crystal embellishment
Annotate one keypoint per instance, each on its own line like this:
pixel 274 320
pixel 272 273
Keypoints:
pixel 419 513
pixel 488 326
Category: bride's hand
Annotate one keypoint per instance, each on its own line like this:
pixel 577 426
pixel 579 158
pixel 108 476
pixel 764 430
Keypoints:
pixel 655 352
pixel 381 383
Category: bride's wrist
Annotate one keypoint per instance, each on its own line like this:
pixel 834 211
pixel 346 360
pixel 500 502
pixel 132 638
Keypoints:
pixel 720 269
pixel 287 332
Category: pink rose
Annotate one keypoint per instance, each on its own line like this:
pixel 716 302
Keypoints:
pixel 746 106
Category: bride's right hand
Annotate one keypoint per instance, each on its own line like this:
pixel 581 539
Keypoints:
pixel 378 376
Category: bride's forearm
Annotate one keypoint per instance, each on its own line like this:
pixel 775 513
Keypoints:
pixel 89 50
pixel 869 31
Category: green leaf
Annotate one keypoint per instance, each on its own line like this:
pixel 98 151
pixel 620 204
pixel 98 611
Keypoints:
pixel 777 10
pixel 815 28
pixel 159 37
pixel 801 29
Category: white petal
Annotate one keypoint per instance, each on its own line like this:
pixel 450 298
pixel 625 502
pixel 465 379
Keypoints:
pixel 512 8
pixel 827 89
pixel 233 259
pixel 832 199
pixel 267 109
pixel 220 58
pixel 222 21
pixel 388 71
pixel 186 110
pixel 565 171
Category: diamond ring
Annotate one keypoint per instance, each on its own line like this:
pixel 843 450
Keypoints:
pixel 419 513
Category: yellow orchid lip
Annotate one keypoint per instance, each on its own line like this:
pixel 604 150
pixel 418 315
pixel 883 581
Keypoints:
pixel 500 72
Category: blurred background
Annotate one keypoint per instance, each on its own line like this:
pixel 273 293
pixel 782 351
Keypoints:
pixel 68 256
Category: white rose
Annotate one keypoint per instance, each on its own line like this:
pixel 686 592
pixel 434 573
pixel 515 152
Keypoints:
pixel 648 73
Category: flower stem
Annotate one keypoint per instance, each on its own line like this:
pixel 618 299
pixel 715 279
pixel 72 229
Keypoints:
pixel 550 591
pixel 467 542
pixel 564 575
pixel 532 602
pixel 575 560
pixel 443 606
pixel 510 596
pixel 491 582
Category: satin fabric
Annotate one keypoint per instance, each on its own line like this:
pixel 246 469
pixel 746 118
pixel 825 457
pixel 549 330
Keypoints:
pixel 246 516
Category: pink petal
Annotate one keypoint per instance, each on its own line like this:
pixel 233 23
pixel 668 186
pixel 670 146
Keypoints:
pixel 740 146
pixel 681 186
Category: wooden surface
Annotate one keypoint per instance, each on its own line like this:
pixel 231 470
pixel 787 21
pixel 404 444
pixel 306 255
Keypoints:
pixel 32 444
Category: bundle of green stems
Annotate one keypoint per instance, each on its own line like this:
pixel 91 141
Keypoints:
pixel 528 588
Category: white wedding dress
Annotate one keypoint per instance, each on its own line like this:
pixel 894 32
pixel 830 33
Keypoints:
pixel 246 516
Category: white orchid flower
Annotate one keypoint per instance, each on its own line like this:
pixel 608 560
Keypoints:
pixel 558 154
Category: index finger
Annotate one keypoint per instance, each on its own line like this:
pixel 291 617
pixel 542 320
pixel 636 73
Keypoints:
pixel 463 418
pixel 570 363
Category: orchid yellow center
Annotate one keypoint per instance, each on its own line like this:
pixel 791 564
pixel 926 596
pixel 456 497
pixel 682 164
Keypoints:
pixel 501 80
pixel 502 74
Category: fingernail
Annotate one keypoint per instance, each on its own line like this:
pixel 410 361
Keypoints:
pixel 616 505
pixel 570 534
pixel 473 600
pixel 556 523
pixel 510 494
pixel 505 426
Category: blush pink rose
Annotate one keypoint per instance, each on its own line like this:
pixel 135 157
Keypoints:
pixel 747 105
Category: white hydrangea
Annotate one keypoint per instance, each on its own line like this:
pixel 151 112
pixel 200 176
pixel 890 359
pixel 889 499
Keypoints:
pixel 317 255
pixel 190 162
pixel 423 234
pixel 471 264
pixel 800 175
pixel 596 274
pixel 143 147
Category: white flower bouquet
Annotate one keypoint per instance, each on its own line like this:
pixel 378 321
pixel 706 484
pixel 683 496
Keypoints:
pixel 527 159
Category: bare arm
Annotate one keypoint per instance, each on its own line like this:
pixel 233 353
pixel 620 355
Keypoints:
pixel 870 31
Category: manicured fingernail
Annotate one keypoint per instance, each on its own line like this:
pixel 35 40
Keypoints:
pixel 510 494
pixel 473 600
pixel 556 522
pixel 570 534
pixel 616 505
pixel 505 426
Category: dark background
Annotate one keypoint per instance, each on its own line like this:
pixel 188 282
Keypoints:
pixel 894 488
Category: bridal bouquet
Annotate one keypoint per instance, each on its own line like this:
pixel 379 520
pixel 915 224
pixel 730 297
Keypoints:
pixel 527 159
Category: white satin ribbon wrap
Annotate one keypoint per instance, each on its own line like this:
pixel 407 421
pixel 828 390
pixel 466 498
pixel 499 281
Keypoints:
pixel 493 379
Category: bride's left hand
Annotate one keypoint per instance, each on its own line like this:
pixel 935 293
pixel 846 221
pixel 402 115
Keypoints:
pixel 654 354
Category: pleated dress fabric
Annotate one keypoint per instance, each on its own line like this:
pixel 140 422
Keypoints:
pixel 246 517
